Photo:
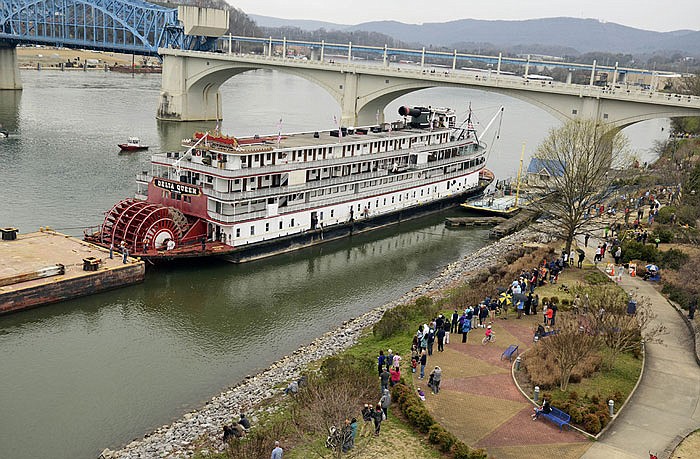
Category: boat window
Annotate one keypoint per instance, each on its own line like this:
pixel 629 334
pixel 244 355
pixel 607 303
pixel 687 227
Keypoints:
pixel 291 223
pixel 267 227
pixel 332 212
pixel 238 232
pixel 280 224
pixel 252 230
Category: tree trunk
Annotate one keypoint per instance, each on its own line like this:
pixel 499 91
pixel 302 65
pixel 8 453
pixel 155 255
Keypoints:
pixel 564 379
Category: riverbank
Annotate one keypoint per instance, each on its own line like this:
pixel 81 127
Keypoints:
pixel 178 439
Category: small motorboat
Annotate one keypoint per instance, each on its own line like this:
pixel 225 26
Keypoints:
pixel 133 144
pixel 4 133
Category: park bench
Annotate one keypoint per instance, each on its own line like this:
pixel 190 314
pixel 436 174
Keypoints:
pixel 508 353
pixel 558 417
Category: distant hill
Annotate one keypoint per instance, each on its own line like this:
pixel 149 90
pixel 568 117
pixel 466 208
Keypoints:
pixel 305 24
pixel 549 35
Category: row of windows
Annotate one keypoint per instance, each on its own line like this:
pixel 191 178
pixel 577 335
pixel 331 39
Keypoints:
pixel 367 206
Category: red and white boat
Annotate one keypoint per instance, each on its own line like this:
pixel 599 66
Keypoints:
pixel 252 197
pixel 133 144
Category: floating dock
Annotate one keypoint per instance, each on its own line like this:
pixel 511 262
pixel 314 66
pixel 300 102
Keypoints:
pixel 47 267
pixel 452 222
pixel 513 224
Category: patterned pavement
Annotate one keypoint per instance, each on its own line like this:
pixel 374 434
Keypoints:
pixel 480 404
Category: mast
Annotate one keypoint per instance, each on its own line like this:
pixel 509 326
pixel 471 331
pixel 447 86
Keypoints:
pixel 520 170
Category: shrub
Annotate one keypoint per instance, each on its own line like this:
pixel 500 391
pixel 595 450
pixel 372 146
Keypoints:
pixel 603 418
pixel 441 437
pixel 591 423
pixel 673 259
pixel 664 235
pixel 633 250
pixel 677 294
pixel 596 277
pixel 664 214
pixel 461 450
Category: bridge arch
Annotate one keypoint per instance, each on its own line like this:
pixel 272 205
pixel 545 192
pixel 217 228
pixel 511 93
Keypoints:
pixel 362 90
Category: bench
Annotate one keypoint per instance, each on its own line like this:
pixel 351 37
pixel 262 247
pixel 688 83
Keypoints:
pixel 508 353
pixel 558 417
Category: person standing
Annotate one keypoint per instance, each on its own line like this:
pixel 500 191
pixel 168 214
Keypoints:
pixel 436 375
pixel 394 376
pixel 384 380
pixel 581 256
pixel 380 362
pixel 692 307
pixel 377 417
pixel 441 338
pixel 455 319
pixel 466 326
pixel 385 401
pixel 111 250
pixel 585 239
pixel 618 255
pixel 423 362
pixel 448 327
pixel 277 452
pixel 431 340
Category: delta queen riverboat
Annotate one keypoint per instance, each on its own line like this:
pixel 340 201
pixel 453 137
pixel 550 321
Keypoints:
pixel 247 198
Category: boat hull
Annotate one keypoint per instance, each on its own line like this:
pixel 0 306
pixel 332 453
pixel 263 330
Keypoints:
pixel 125 147
pixel 310 238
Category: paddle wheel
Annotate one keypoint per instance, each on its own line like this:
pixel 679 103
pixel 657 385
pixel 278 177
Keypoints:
pixel 137 222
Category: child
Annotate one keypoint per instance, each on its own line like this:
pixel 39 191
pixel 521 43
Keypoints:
pixel 489 332
pixel 421 394
pixel 414 363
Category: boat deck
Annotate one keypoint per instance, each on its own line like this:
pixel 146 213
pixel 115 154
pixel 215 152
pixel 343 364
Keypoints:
pixel 29 278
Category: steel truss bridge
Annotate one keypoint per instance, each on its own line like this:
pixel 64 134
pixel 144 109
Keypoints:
pixel 124 26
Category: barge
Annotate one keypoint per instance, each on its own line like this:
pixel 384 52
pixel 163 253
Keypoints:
pixel 47 267
pixel 244 198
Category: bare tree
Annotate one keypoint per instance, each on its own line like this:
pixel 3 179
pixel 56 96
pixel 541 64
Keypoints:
pixel 328 399
pixel 621 328
pixel 569 346
pixel 582 161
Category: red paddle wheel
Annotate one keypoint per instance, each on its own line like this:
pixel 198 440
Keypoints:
pixel 136 222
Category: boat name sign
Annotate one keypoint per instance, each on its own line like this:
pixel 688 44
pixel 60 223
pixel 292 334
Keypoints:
pixel 176 187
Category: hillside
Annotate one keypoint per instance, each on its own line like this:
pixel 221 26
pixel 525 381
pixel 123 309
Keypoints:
pixel 554 35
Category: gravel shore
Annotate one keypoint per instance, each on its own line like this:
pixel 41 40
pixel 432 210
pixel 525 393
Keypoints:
pixel 176 439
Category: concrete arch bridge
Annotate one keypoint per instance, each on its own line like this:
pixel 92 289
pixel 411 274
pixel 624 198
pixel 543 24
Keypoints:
pixel 191 82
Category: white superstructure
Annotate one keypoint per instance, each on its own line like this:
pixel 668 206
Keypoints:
pixel 263 188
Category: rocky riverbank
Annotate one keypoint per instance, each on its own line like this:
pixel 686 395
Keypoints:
pixel 178 438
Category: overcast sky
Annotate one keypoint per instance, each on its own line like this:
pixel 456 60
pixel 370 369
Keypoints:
pixel 661 16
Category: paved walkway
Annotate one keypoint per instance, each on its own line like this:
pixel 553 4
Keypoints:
pixel 481 405
pixel 666 405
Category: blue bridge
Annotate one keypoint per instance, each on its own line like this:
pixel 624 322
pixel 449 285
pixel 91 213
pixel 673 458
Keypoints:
pixel 124 26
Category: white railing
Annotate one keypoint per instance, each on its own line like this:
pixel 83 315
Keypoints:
pixel 620 91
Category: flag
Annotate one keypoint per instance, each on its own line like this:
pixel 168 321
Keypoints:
pixel 279 133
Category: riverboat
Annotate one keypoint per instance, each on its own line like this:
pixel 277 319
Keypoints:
pixel 245 198
pixel 132 144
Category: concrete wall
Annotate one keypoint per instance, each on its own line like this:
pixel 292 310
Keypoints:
pixel 9 70
pixel 203 21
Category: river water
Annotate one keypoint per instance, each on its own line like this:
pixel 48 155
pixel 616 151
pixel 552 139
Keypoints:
pixel 99 371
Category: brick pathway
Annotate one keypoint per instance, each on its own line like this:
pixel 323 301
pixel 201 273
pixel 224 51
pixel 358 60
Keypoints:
pixel 480 404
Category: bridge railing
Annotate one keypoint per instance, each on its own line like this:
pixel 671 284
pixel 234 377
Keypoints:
pixel 620 91
pixel 389 54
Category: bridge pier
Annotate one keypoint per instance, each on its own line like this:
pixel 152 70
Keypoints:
pixel 9 69
pixel 183 98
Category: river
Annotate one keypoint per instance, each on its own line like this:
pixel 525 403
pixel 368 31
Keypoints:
pixel 99 371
